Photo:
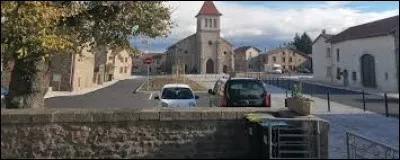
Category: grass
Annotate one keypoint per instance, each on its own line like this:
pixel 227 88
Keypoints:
pixel 157 83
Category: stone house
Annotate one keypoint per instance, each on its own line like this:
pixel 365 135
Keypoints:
pixel 157 65
pixel 242 57
pixel 289 58
pixel 112 64
pixel 205 51
pixel 72 72
pixel 363 56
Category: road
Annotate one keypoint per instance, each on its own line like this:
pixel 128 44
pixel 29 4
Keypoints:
pixel 119 95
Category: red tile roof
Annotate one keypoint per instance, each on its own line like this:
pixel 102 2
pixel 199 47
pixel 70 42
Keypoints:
pixel 208 8
pixel 372 29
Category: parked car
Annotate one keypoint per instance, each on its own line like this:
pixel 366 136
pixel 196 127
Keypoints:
pixel 4 92
pixel 177 95
pixel 239 92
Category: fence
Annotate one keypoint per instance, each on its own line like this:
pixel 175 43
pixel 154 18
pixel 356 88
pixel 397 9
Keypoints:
pixel 360 147
pixel 291 138
pixel 382 104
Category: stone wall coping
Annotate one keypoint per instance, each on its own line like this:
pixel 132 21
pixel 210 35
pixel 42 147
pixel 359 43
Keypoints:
pixel 69 115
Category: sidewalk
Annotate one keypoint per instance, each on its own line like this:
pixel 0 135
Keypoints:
pixel 342 118
pixel 87 90
pixel 357 89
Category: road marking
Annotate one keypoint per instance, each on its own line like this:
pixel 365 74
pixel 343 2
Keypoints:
pixel 151 95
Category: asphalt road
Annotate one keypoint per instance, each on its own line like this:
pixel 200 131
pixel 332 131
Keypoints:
pixel 119 95
pixel 374 103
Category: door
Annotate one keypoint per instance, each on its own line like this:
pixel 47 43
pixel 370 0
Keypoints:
pixel 367 62
pixel 225 69
pixel 209 66
pixel 345 78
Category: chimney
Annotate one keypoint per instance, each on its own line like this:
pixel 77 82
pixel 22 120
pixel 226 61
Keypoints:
pixel 323 31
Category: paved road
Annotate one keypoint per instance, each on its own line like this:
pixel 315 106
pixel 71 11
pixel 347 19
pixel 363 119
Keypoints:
pixel 374 103
pixel 119 95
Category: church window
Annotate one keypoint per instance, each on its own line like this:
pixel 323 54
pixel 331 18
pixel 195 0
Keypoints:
pixel 210 42
pixel 206 22
pixel 210 22
pixel 215 23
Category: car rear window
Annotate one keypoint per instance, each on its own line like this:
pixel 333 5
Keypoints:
pixel 245 89
pixel 177 93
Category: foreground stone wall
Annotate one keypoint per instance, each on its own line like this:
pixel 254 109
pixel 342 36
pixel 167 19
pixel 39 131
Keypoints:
pixel 125 133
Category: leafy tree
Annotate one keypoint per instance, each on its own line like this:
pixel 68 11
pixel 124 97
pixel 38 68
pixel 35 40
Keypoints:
pixel 33 31
pixel 303 43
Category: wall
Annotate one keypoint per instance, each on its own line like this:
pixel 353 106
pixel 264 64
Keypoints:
pixel 320 61
pixel 381 48
pixel 298 59
pixel 122 61
pixel 128 133
pixel 61 65
pixel 83 70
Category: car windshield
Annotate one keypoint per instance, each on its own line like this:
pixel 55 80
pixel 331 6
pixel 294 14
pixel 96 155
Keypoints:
pixel 177 93
pixel 245 89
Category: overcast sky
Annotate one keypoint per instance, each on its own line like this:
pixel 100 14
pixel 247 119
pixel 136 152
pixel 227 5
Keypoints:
pixel 268 24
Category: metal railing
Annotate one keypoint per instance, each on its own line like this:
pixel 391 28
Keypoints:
pixel 360 147
pixel 288 138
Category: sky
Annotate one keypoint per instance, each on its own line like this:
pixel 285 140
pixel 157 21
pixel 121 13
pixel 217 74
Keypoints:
pixel 267 24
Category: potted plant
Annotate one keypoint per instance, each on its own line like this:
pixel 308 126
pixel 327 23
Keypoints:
pixel 299 104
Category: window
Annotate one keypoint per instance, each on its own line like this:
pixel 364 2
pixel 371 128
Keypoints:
pixel 79 81
pixel 186 51
pixel 210 22
pixel 290 59
pixel 274 59
pixel 283 53
pixel 224 52
pixel 337 55
pixel 177 93
pixel 110 58
pixel 210 43
pixel 283 59
pixel 328 71
pixel 284 67
pixel 338 73
pixel 386 76
pixel 246 89
pixel 126 59
pixel 121 69
pixel 215 23
pixel 206 24
pixel 124 69
pixel 328 52
pixel 354 76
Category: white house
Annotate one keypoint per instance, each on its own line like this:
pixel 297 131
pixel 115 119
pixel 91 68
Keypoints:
pixel 360 56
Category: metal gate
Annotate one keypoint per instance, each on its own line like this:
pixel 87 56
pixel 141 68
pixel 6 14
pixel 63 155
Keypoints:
pixel 360 147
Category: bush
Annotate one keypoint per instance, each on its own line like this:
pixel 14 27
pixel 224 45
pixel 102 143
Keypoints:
pixel 297 91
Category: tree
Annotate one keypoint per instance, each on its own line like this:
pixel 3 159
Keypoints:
pixel 33 31
pixel 303 43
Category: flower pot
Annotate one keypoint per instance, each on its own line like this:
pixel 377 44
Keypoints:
pixel 300 105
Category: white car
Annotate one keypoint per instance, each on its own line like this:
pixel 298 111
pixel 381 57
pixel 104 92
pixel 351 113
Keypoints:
pixel 177 95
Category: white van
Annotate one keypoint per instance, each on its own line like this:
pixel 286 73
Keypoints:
pixel 275 68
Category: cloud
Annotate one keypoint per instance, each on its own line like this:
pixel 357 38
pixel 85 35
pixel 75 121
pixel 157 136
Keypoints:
pixel 264 26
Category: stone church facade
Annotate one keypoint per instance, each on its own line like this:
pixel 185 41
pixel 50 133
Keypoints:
pixel 205 51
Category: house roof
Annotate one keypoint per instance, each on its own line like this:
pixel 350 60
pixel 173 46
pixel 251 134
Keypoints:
pixel 326 36
pixel 208 8
pixel 244 49
pixel 372 29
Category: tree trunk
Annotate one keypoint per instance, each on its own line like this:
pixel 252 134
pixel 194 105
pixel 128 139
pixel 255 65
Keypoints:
pixel 28 83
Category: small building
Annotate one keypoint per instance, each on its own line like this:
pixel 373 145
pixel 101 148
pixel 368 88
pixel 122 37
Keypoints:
pixel 242 58
pixel 363 56
pixel 288 57
pixel 72 72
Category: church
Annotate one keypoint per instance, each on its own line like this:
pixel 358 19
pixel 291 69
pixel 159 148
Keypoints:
pixel 204 51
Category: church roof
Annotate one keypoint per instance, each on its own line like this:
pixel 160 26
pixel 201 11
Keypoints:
pixel 208 8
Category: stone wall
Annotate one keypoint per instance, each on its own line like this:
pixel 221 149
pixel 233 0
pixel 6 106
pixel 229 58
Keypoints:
pixel 125 133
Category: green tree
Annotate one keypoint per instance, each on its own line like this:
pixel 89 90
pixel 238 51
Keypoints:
pixel 303 43
pixel 32 31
